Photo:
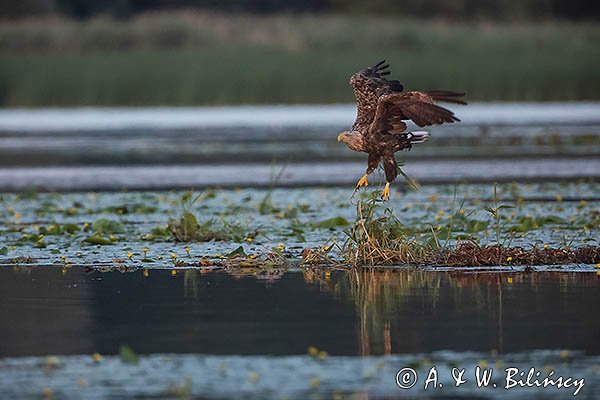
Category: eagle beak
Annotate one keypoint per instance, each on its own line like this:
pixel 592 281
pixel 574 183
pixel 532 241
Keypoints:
pixel 340 137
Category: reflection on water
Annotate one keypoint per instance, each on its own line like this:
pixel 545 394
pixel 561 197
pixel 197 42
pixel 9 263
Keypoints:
pixel 357 312
pixel 404 311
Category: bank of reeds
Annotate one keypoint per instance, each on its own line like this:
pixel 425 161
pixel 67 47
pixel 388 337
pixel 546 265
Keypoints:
pixel 183 58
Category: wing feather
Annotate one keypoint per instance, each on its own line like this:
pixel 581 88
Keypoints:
pixel 368 85
pixel 416 106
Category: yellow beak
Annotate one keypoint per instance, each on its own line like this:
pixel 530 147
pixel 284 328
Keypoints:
pixel 340 137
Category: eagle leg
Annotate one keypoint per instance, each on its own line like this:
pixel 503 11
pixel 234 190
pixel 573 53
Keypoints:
pixel 385 195
pixel 372 164
pixel 362 182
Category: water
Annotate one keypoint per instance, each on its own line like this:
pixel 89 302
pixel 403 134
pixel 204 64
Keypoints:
pixel 165 148
pixel 220 335
pixel 123 118
pixel 248 332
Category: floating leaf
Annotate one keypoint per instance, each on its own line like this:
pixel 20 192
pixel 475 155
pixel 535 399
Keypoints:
pixel 3 251
pixel 71 228
pixel 97 239
pixel 127 355
pixel 239 252
pixel 104 225
pixel 332 223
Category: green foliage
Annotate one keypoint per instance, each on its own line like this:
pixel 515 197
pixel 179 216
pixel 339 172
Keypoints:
pixel 239 252
pixel 495 213
pixel 115 63
pixel 186 228
pixel 332 223
pixel 379 237
pixel 97 239
pixel 106 226
pixel 127 355
pixel 57 229
pixel 130 209
pixel 266 206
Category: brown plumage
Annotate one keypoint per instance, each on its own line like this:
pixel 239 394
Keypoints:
pixel 379 129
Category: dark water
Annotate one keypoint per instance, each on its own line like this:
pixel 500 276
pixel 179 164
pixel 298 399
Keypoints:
pixel 245 334
pixel 45 312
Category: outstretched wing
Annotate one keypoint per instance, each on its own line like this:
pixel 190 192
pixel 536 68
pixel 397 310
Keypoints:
pixel 419 107
pixel 368 85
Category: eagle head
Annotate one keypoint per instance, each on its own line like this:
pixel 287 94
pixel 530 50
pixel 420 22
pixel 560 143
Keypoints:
pixel 352 139
pixel 352 80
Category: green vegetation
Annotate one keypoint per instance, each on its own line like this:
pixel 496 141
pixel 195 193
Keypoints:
pixel 380 238
pixel 127 355
pixel 546 223
pixel 187 229
pixel 201 58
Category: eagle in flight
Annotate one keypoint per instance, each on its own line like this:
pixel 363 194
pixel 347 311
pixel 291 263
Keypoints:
pixel 381 108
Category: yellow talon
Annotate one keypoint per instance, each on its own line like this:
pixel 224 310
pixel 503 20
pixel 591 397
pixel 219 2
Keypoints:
pixel 386 192
pixel 362 181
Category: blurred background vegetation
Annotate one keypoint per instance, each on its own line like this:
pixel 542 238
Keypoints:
pixel 186 52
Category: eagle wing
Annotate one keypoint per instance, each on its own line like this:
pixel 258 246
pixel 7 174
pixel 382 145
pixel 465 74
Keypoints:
pixel 419 107
pixel 369 85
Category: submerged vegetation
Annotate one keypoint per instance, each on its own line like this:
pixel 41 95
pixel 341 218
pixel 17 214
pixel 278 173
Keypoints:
pixel 165 59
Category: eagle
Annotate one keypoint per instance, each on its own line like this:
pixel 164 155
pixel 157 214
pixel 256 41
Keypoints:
pixel 382 106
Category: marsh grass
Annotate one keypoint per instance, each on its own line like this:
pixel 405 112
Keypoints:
pixel 378 237
pixel 186 227
pixel 184 58
pixel 265 206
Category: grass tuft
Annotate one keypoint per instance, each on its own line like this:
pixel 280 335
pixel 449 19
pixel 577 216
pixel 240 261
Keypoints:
pixel 186 228
pixel 380 238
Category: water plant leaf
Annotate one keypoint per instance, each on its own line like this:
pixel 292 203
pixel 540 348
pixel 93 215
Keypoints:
pixel 104 225
pixel 332 223
pixel 71 228
pixel 4 251
pixel 127 355
pixel 239 252
pixel 475 225
pixel 188 224
pixel 97 239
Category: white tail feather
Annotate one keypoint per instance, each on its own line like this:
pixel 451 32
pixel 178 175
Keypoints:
pixel 418 136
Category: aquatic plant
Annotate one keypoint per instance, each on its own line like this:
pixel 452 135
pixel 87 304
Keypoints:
pixel 266 206
pixel 495 212
pixel 186 228
pixel 379 238
pixel 127 355
pixel 321 255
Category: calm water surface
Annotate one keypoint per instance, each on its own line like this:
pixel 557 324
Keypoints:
pixel 345 313
pixel 225 335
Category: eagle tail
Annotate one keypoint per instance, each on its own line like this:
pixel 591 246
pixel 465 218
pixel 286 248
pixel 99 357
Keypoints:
pixel 417 137
pixel 446 96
